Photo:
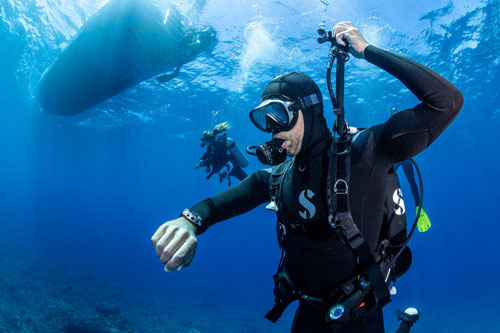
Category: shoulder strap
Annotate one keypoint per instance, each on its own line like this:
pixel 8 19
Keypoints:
pixel 340 217
pixel 275 186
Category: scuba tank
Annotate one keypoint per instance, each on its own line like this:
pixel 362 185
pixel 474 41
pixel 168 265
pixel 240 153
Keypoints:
pixel 235 152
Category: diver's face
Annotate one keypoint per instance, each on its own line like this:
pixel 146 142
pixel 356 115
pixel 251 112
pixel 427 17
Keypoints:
pixel 293 138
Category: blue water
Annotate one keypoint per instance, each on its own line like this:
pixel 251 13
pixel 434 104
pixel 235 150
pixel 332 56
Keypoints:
pixel 81 196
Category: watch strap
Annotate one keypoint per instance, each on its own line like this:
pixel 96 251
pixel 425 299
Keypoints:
pixel 192 217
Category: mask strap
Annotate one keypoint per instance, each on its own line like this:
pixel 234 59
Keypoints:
pixel 308 101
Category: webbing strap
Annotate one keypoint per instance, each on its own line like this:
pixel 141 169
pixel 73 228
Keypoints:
pixel 279 307
pixel 275 184
pixel 278 172
pixel 282 282
pixel 368 265
pixel 341 218
pixel 281 302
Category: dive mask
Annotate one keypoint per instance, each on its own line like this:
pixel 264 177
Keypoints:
pixel 276 115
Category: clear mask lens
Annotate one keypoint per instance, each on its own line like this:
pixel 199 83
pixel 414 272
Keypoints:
pixel 274 116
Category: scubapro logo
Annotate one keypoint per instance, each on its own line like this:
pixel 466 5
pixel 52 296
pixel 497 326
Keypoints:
pixel 308 205
pixel 397 197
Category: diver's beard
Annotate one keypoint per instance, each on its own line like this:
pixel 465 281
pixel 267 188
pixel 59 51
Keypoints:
pixel 271 152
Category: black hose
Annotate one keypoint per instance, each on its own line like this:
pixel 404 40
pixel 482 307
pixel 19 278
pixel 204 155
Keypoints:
pixel 329 83
pixel 339 87
pixel 339 53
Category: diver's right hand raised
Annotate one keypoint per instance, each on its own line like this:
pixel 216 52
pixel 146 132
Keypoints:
pixel 175 243
pixel 346 31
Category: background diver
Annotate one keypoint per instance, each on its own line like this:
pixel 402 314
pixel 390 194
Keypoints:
pixel 222 156
pixel 320 265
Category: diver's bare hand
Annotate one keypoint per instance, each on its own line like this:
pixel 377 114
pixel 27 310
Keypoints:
pixel 357 43
pixel 175 243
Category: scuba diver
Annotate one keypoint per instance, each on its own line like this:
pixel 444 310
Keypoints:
pixel 222 156
pixel 193 42
pixel 424 223
pixel 334 248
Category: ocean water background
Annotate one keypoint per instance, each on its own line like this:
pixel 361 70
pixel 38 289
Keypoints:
pixel 81 196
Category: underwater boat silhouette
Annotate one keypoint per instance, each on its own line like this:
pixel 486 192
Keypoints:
pixel 126 42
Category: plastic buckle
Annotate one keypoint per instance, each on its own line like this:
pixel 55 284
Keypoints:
pixel 354 237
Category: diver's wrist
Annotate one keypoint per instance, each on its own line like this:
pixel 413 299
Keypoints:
pixel 192 217
pixel 363 49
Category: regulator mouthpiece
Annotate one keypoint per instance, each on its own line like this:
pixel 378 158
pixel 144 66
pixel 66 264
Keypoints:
pixel 271 152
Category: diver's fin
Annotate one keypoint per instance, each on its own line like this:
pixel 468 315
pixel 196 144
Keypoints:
pixel 423 221
pixel 167 77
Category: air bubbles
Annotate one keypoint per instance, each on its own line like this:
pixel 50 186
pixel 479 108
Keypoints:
pixel 260 46
pixel 378 32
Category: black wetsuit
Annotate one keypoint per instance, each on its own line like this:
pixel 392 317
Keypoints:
pixel 315 257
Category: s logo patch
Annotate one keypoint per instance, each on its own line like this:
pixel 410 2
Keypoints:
pixel 310 209
pixel 397 197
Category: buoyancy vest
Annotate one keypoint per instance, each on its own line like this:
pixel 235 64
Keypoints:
pixel 357 289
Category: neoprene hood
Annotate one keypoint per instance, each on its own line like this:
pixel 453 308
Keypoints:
pixel 293 86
